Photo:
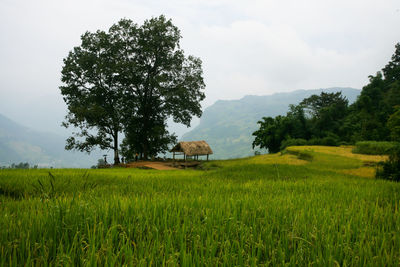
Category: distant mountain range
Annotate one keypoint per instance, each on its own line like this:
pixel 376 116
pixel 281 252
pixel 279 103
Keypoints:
pixel 228 125
pixel 21 144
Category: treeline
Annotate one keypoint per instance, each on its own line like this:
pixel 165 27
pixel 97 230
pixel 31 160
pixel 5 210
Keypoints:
pixel 21 165
pixel 328 119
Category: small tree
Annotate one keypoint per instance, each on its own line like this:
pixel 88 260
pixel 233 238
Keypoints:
pixel 271 134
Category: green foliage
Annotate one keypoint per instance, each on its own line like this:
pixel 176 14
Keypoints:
pixel 377 103
pixel 375 147
pixel 326 112
pixel 370 112
pixel 324 115
pixel 390 169
pixel 131 78
pixel 393 124
pixel 93 93
pixel 162 83
pixel 238 213
pixel 330 121
pixel 228 125
pixel 392 69
pixel 20 165
pixel 271 133
pixel 303 155
pixel 330 140
pixel 293 142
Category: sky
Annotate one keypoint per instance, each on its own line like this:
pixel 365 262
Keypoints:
pixel 248 47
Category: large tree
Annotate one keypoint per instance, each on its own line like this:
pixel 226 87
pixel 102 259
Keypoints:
pixel 131 78
pixel 92 91
pixel 161 83
pixel 326 112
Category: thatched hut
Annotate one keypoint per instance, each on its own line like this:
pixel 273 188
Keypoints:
pixel 192 149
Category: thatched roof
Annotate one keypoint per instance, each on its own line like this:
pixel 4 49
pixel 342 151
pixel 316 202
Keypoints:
pixel 193 148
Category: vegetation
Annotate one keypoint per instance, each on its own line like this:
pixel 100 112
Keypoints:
pixel 314 121
pixel 375 147
pixel 132 79
pixel 390 169
pixel 228 125
pixel 265 210
pixel 21 165
pixel 327 118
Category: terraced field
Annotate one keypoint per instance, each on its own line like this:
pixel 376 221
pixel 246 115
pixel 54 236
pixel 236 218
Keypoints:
pixel 307 206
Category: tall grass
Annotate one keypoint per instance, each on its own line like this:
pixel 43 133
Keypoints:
pixel 255 211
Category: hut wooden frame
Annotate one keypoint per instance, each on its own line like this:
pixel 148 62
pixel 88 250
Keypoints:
pixel 192 149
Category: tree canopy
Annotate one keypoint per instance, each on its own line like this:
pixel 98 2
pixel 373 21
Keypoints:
pixel 160 83
pixel 130 79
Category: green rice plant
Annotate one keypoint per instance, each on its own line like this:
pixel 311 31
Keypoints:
pixel 240 212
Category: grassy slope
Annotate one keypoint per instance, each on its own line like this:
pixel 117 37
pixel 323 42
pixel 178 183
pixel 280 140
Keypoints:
pixel 269 209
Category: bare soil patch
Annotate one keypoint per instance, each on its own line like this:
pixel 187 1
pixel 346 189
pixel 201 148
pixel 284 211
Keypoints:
pixel 163 165
pixel 157 165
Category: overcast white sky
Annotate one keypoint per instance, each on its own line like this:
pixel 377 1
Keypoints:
pixel 247 47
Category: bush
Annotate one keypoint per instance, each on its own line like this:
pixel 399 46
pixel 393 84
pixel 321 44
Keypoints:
pixel 326 141
pixel 329 140
pixel 390 170
pixel 293 142
pixel 375 147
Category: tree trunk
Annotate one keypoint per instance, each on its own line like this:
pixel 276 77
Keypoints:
pixel 116 155
pixel 145 151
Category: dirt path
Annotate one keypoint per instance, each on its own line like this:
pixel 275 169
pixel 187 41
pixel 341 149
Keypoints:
pixel 159 166
pixel 152 165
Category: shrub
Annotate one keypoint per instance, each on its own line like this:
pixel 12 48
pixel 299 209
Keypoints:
pixel 293 142
pixel 375 147
pixel 329 141
pixel 326 141
pixel 390 170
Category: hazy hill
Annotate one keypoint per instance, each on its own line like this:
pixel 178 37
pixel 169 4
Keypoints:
pixel 21 144
pixel 228 125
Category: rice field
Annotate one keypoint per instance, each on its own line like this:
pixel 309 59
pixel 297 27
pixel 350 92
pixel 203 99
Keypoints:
pixel 310 206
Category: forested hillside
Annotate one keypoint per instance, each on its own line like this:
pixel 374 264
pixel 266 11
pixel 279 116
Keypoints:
pixel 228 124
pixel 330 119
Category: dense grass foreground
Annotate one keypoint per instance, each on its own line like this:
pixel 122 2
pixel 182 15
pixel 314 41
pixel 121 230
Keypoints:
pixel 266 210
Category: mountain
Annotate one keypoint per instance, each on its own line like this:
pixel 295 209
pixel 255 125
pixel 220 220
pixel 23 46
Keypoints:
pixel 228 125
pixel 21 144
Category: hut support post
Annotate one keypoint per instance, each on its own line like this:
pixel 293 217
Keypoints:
pixel 207 157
